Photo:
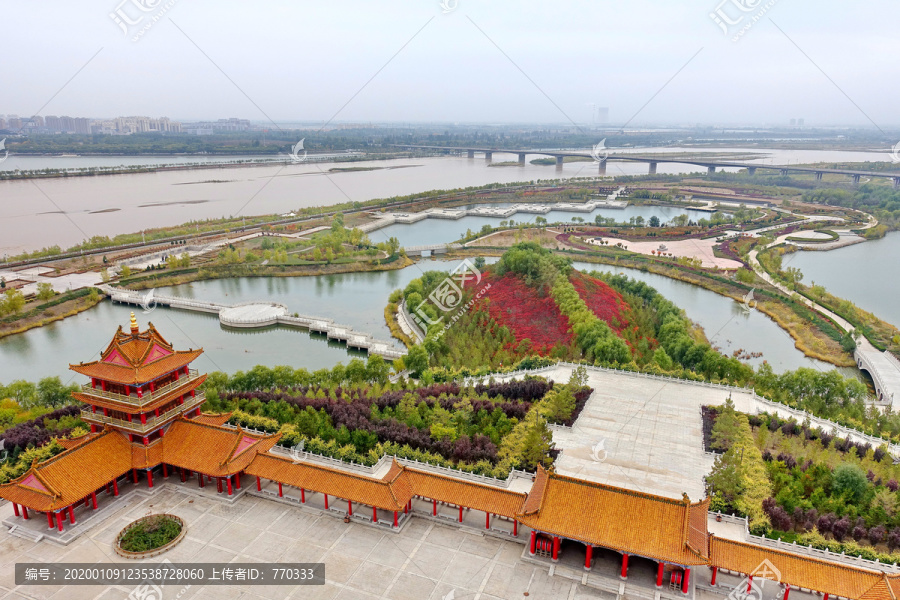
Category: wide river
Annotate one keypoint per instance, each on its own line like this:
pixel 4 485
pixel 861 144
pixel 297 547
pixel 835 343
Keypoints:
pixel 356 299
pixel 64 211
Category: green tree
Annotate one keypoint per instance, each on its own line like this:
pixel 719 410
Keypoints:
pixel 356 371
pixel 377 370
pixel 125 271
pixel 416 360
pixel 654 221
pixel 52 393
pixel 45 291
pixel 537 443
pixel 850 482
pixel 14 302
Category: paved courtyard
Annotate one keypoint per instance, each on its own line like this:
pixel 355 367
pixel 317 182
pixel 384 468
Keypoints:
pixel 640 433
pixel 424 561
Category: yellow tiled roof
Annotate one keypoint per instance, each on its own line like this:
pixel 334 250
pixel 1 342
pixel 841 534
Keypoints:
pixel 467 493
pixel 136 358
pixel 384 493
pixel 72 474
pixel 211 449
pixel 602 515
pixel 822 576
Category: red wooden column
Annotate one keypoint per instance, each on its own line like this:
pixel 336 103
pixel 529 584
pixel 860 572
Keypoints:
pixel 149 478
pixel 749 583
pixel 787 591
pixel 487 520
pixel 218 484
pixel 71 515
pixel 258 483
pixel 555 556
pixel 93 500
pixel 326 501
pixel 374 515
pixel 434 508
pixel 460 514
pixel 588 555
pixel 660 571
pixel 59 520
pixel 532 543
pixel 685 584
pixel 165 467
pixel 302 495
pixel 715 571
pixel 237 481
pixel 825 597
pixel 624 574
pixel 24 512
pixel 134 475
pixel 407 507
pixel 280 491
pixel 349 508
pixel 201 480
pixel 228 482
pixel 115 487
pixel 515 528
pixel 50 520
pixel 15 509
pixel 395 518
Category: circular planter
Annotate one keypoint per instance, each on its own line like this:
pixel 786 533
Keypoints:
pixel 155 551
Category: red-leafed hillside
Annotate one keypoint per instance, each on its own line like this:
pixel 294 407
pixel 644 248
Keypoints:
pixel 603 301
pixel 527 313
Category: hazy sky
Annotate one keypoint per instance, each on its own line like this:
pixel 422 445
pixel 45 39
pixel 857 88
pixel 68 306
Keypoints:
pixel 497 61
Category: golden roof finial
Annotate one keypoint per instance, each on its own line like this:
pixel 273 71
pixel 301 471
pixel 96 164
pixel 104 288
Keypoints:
pixel 134 325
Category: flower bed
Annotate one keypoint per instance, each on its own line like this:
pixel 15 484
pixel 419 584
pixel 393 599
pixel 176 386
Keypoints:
pixel 150 536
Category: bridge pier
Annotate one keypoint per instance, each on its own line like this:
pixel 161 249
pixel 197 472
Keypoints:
pixel 711 169
pixel 856 180
pixel 819 175
pixel 488 156
pixel 559 162
pixel 471 154
pixel 751 171
pixel 602 168
pixel 784 172
pixel 522 158
pixel 653 168
pixel 896 183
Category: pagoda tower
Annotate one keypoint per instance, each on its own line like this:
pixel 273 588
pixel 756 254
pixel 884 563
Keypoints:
pixel 140 385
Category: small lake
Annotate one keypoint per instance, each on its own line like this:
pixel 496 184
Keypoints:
pixel 439 231
pixel 866 274
pixel 356 299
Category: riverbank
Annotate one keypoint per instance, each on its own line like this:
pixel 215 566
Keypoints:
pixel 50 312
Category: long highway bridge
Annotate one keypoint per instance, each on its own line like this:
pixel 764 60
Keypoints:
pixel 653 161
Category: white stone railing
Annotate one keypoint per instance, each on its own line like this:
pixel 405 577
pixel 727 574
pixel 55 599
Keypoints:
pixel 371 470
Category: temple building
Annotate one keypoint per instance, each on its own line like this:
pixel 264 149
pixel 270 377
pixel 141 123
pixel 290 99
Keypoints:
pixel 145 413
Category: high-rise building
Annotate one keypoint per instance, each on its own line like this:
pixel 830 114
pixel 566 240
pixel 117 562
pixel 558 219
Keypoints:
pixel 38 121
pixel 2 123
pixel 66 125
pixel 82 125
pixel 51 123
pixel 14 123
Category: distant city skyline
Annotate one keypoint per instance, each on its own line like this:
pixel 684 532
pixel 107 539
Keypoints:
pixel 648 62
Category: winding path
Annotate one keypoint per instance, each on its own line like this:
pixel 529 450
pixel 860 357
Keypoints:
pixel 882 366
